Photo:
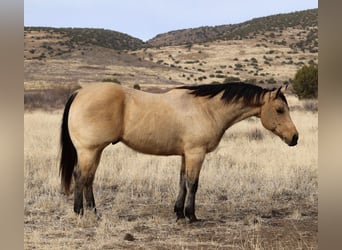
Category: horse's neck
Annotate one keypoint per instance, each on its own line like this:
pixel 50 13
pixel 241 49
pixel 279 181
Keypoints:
pixel 231 113
pixel 245 112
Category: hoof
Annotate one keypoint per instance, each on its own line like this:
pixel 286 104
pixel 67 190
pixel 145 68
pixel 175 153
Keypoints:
pixel 179 214
pixel 94 213
pixel 79 212
pixel 181 221
pixel 180 218
pixel 94 210
pixel 192 218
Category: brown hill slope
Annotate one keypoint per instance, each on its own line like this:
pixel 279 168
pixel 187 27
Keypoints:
pixel 246 30
pixel 53 58
pixel 75 37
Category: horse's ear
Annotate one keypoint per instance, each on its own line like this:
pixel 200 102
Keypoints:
pixel 281 89
pixel 284 88
pixel 275 93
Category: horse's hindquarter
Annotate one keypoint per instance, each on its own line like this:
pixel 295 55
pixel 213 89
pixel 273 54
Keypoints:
pixel 96 116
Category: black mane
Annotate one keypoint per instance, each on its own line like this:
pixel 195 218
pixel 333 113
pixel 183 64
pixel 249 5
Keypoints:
pixel 251 94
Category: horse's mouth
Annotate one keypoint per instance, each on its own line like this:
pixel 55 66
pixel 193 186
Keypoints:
pixel 291 142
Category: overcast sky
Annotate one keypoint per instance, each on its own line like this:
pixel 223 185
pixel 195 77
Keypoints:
pixel 145 19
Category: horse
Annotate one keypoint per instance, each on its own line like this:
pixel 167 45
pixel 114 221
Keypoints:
pixel 188 121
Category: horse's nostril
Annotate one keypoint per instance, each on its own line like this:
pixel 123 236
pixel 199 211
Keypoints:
pixel 294 139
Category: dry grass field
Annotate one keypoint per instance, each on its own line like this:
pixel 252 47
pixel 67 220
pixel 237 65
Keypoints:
pixel 255 192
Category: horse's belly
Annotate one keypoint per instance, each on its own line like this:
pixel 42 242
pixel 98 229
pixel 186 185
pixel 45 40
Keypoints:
pixel 154 145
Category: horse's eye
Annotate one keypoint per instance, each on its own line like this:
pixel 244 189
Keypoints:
pixel 280 110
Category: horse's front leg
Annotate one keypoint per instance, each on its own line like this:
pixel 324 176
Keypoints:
pixel 193 164
pixel 179 205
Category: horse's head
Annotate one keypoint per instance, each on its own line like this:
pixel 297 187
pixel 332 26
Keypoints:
pixel 275 116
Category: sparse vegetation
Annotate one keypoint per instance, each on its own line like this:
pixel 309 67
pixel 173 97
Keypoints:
pixel 311 105
pixel 269 26
pixel 114 80
pixel 101 37
pixel 265 50
pixel 271 80
pixel 231 79
pixel 48 99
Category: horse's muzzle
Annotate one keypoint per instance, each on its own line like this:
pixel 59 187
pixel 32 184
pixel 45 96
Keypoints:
pixel 294 140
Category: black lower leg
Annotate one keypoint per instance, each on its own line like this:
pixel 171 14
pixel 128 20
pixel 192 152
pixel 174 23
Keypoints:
pixel 78 201
pixel 89 195
pixel 190 200
pixel 78 193
pixel 179 205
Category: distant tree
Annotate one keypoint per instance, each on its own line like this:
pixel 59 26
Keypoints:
pixel 188 46
pixel 136 86
pixel 305 83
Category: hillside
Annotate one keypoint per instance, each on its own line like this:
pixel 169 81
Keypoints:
pixel 265 50
pixel 302 20
pixel 58 41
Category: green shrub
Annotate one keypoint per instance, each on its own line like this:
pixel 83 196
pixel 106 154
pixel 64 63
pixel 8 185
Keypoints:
pixel 251 81
pixel 111 80
pixel 231 79
pixel 305 84
pixel 220 76
pixel 271 81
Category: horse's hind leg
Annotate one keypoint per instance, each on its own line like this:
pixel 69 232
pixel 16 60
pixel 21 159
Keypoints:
pixel 84 176
pixel 179 205
pixel 78 191
pixel 88 194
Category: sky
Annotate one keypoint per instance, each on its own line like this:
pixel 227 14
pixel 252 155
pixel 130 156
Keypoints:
pixel 144 19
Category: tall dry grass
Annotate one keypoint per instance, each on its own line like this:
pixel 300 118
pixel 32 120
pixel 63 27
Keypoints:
pixel 251 170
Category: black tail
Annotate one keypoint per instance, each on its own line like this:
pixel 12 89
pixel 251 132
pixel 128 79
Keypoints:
pixel 68 151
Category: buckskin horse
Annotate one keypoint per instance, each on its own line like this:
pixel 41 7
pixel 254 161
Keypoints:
pixel 188 121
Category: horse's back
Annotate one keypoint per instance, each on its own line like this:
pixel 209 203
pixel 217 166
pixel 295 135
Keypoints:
pixel 96 115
